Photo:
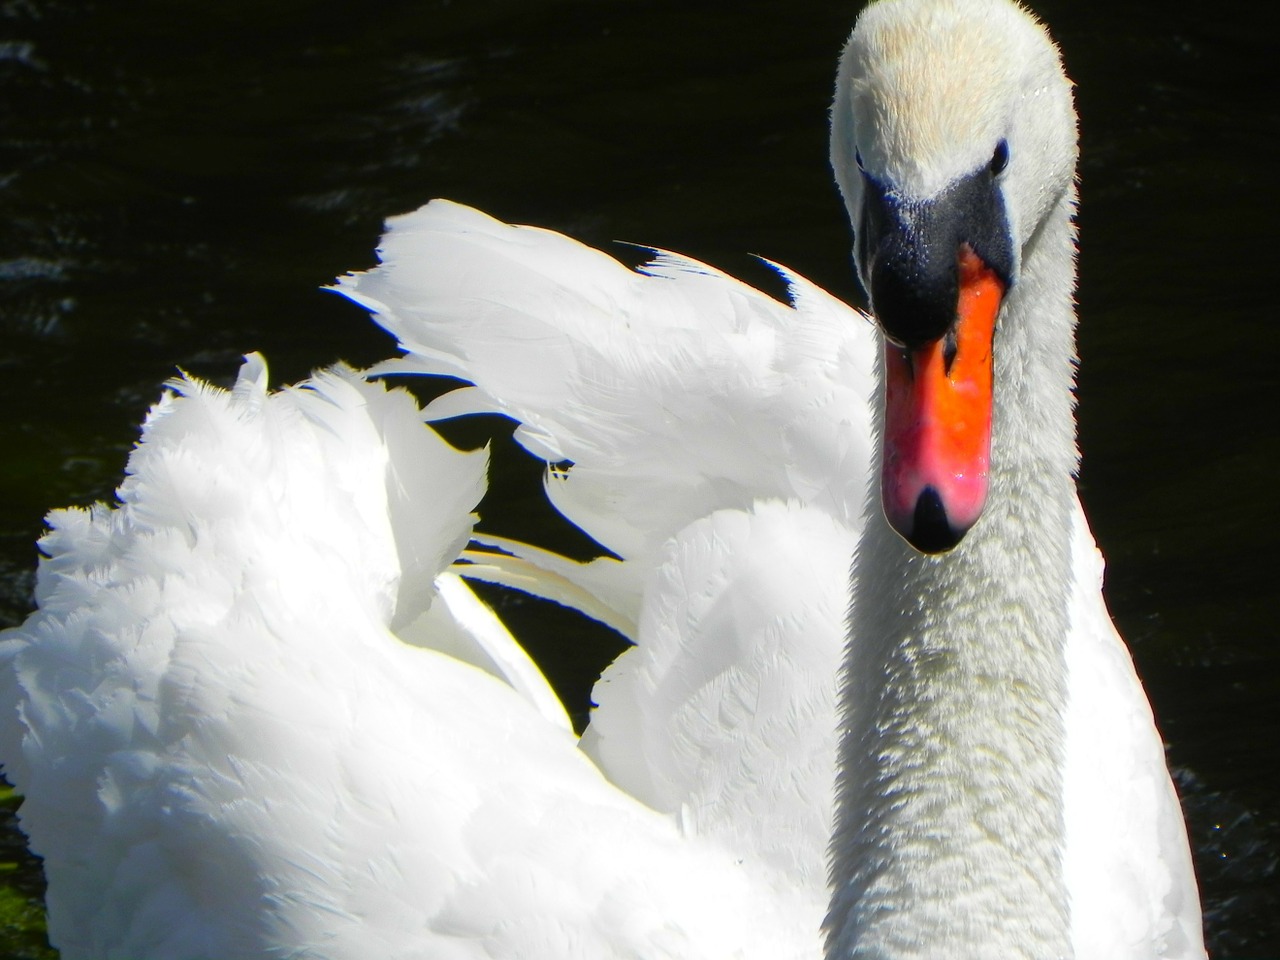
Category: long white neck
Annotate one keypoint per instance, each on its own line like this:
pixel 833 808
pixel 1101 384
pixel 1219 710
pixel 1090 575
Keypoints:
pixel 949 824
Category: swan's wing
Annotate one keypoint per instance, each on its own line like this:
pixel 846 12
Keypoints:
pixel 226 752
pixel 725 711
pixel 465 628
pixel 678 394
pixel 245 518
pixel 1127 860
pixel 673 392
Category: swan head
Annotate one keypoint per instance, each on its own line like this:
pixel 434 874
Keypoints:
pixel 952 139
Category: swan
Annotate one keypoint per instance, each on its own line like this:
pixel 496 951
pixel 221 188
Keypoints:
pixel 257 711
pixel 1002 789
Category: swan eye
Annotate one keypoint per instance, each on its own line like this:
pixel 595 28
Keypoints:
pixel 1000 159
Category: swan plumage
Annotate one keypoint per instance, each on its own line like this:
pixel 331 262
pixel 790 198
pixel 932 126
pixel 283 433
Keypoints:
pixel 968 680
pixel 744 570
pixel 674 390
pixel 721 445
pixel 726 427
pixel 227 752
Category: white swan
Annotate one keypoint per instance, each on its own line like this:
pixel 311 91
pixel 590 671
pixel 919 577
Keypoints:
pixel 1003 789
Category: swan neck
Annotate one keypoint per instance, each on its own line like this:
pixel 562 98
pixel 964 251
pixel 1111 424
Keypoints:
pixel 950 829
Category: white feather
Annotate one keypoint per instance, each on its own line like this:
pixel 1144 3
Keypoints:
pixel 227 752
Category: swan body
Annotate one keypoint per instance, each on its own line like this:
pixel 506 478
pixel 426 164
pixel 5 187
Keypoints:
pixel 238 734
pixel 257 711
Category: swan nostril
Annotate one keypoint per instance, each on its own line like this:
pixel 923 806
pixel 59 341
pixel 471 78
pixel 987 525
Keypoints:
pixel 950 347
pixel 1000 158
pixel 931 529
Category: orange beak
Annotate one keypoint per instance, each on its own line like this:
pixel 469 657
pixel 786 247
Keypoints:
pixel 937 442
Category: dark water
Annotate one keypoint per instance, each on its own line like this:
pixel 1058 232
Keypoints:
pixel 177 179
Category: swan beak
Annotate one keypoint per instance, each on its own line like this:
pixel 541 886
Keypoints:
pixel 937 440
